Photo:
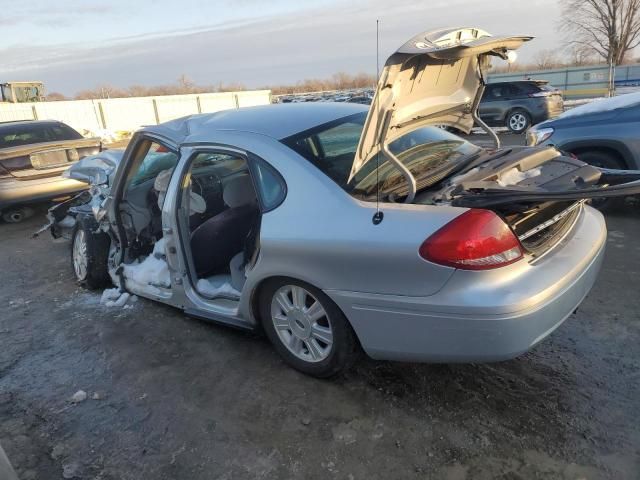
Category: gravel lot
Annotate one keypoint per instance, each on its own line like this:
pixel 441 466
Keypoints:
pixel 170 397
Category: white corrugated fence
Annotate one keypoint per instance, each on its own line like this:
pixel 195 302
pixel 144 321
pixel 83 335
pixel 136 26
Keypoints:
pixel 128 114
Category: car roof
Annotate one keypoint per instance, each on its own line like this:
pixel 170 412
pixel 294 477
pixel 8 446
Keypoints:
pixel 29 122
pixel 537 82
pixel 277 121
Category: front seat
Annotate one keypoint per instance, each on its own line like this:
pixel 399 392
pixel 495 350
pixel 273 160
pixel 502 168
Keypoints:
pixel 216 241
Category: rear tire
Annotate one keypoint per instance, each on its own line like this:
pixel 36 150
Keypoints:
pixel 307 328
pixel 604 160
pixel 518 121
pixel 18 215
pixel 89 254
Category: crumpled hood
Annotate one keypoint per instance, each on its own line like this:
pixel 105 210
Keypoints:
pixel 91 167
pixel 435 78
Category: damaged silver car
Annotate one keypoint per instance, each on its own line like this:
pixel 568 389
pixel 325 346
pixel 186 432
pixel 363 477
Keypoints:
pixel 335 227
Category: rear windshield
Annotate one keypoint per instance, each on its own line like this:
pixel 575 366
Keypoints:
pixel 545 87
pixel 16 135
pixel 427 152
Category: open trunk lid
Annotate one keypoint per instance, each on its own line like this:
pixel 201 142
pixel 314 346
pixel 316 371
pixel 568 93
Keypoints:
pixel 436 78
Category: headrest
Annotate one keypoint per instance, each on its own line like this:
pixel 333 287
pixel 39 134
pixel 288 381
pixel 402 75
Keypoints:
pixel 239 191
pixel 197 204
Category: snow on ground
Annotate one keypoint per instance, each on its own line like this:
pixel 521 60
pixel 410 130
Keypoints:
pixel 515 176
pixel 216 285
pixel 106 135
pixel 576 102
pixel 114 297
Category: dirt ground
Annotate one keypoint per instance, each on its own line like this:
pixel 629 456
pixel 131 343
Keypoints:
pixel 170 397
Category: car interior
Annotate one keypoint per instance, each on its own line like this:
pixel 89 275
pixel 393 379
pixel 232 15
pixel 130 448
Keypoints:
pixel 223 216
pixel 224 235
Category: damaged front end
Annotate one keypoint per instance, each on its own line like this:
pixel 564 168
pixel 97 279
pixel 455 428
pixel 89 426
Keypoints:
pixel 95 170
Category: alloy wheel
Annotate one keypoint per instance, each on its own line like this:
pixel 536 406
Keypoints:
pixel 302 324
pixel 517 122
pixel 80 259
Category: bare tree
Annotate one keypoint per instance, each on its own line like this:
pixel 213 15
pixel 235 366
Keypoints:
pixel 55 97
pixel 611 28
pixel 580 55
pixel 185 84
pixel 546 59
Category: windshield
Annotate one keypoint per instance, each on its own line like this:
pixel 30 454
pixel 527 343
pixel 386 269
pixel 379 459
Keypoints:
pixel 428 152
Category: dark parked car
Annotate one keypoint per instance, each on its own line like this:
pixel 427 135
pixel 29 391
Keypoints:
pixel 33 155
pixel 518 105
pixel 604 133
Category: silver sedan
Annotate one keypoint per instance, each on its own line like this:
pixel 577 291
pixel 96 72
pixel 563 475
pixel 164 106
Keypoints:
pixel 336 228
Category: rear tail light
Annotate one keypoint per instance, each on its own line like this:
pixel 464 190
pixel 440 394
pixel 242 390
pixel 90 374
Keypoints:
pixel 4 173
pixel 476 240
pixel 16 163
pixel 72 155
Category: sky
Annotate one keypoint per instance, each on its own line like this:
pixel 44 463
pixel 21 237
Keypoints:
pixel 73 45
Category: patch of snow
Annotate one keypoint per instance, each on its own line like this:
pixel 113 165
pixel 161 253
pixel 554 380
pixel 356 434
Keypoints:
pixel 106 135
pixel 215 286
pixel 113 297
pixel 604 104
pixel 151 274
pixel 481 131
pixel 110 294
pixel 515 176
pixel 578 101
pixel 79 396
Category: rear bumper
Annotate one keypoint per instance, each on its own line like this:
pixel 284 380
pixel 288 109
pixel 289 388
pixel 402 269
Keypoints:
pixel 494 316
pixel 14 192
pixel 546 109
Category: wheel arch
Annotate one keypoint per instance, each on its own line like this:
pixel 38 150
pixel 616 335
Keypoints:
pixel 613 147
pixel 254 300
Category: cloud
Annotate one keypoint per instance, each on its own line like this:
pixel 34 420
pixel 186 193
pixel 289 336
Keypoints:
pixel 58 15
pixel 291 47
pixel 11 20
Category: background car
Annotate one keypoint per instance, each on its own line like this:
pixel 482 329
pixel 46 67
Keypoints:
pixel 33 155
pixel 603 133
pixel 518 105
